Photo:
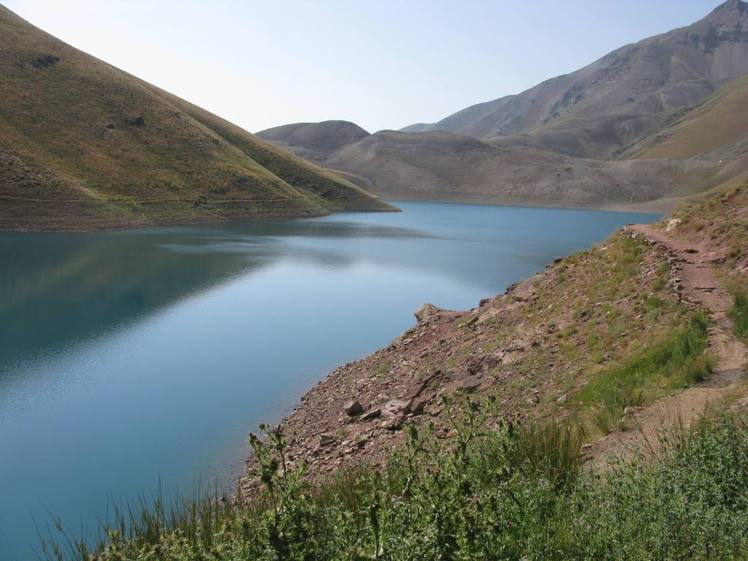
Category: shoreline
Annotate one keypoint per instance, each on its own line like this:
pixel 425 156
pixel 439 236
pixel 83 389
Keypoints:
pixel 660 206
pixel 357 412
pixel 657 206
pixel 188 222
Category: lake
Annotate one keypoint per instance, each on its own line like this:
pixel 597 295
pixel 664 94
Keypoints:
pixel 137 360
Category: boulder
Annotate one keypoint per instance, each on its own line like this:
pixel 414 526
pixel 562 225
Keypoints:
pixel 392 423
pixel 353 408
pixel 471 384
pixel 426 313
pixel 396 408
pixel 371 414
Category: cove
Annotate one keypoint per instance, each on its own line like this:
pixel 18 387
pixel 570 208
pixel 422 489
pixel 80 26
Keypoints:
pixel 137 360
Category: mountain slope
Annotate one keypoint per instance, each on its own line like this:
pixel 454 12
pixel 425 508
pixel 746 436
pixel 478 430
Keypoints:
pixel 721 120
pixel 617 100
pixel 446 166
pixel 314 141
pixel 85 145
pixel 697 148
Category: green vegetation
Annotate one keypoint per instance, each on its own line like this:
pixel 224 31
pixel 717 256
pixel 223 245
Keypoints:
pixel 489 497
pixel 719 120
pixel 674 363
pixel 720 218
pixel 739 312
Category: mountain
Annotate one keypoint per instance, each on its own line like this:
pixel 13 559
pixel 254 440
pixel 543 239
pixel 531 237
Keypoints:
pixel 695 149
pixel 451 167
pixel 85 145
pixel 314 141
pixel 719 122
pixel 648 123
pixel 619 99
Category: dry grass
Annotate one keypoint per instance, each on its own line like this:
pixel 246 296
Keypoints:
pixel 83 144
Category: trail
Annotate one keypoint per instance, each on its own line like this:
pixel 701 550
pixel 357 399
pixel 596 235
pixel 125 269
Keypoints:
pixel 696 280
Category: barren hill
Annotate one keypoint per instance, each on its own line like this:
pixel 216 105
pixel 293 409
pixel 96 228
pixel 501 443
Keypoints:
pixel 315 141
pixel 604 107
pixel 446 166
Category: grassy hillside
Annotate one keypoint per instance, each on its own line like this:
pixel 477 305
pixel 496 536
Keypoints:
pixel 721 120
pixel 85 145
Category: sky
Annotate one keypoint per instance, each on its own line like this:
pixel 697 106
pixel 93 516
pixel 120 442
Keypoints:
pixel 383 64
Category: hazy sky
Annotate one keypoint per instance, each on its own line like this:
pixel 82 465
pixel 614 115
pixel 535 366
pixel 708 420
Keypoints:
pixel 380 63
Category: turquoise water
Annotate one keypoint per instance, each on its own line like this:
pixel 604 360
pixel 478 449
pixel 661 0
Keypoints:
pixel 138 359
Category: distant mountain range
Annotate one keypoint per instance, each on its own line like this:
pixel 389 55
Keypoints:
pixel 647 123
pixel 84 145
pixel 606 106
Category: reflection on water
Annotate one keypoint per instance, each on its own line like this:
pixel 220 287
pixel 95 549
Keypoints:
pixel 129 358
pixel 58 289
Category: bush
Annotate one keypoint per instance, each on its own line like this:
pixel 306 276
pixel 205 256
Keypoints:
pixel 506 493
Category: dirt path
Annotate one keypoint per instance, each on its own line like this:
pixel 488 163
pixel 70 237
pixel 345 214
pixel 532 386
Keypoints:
pixel 696 280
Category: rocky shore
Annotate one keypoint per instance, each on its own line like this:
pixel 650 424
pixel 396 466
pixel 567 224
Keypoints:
pixel 529 349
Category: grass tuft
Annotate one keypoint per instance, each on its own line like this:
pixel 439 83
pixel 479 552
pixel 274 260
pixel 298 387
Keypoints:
pixel 677 362
pixel 739 313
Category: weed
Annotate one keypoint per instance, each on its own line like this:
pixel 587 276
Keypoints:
pixel 508 493
pixel 676 362
pixel 739 312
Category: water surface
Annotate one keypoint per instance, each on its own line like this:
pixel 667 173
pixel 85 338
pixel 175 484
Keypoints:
pixel 137 358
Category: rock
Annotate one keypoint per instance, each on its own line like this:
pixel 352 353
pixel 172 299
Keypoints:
pixel 415 390
pixel 396 407
pixel 362 439
pixel 353 408
pixel 393 423
pixel 326 439
pixel 672 224
pixel 138 121
pixel 470 384
pixel 371 414
pixel 417 406
pixel 426 313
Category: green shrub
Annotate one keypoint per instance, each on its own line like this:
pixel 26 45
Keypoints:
pixel 739 313
pixel 506 493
